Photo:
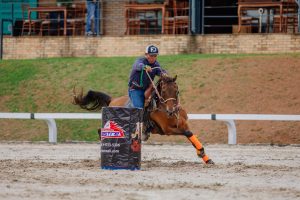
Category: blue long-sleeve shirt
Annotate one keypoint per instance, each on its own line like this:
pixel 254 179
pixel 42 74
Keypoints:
pixel 138 77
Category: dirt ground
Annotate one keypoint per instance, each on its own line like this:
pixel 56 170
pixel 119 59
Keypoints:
pixel 72 171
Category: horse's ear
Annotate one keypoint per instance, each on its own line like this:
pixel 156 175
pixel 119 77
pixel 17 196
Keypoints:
pixel 163 76
pixel 175 77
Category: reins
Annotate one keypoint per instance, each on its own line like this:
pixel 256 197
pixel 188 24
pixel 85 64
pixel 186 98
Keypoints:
pixel 164 101
pixel 161 99
pixel 154 86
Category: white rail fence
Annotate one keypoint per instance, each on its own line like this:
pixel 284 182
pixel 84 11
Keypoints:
pixel 227 118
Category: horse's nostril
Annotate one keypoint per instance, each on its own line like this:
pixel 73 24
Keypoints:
pixel 169 112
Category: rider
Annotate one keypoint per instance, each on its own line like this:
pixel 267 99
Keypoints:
pixel 139 81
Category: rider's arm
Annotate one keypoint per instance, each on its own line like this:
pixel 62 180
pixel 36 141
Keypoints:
pixel 160 70
pixel 138 65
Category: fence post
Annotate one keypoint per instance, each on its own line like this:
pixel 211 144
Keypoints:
pixel 52 130
pixel 231 131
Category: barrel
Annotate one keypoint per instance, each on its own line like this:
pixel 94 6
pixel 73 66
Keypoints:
pixel 121 138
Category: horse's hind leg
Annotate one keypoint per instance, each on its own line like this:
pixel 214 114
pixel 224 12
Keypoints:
pixel 198 146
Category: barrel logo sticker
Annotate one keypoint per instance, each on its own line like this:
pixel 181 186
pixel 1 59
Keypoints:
pixel 112 130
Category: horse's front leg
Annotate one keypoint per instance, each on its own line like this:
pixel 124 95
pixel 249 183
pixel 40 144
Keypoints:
pixel 198 146
pixel 174 127
pixel 195 142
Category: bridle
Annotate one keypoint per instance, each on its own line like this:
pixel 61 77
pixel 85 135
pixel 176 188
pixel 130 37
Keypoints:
pixel 164 101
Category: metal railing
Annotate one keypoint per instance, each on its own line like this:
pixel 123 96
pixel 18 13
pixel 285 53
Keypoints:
pixel 227 118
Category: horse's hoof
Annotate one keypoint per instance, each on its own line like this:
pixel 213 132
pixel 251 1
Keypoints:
pixel 210 162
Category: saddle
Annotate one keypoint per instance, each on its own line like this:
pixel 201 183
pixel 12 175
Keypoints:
pixel 150 105
pixel 128 104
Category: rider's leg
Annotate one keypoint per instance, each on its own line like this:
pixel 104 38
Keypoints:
pixel 137 97
pixel 199 147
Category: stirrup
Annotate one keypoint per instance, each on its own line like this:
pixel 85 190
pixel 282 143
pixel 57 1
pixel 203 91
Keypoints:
pixel 145 136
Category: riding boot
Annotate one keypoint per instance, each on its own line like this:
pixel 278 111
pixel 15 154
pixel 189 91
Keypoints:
pixel 147 125
pixel 146 133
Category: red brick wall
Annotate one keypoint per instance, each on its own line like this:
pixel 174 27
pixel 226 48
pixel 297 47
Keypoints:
pixel 43 47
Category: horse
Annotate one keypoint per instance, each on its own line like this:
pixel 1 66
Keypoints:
pixel 165 113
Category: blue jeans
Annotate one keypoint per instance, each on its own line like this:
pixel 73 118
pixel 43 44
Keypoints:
pixel 93 13
pixel 137 98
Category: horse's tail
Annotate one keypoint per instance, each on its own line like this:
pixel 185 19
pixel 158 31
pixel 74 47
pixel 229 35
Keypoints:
pixel 93 100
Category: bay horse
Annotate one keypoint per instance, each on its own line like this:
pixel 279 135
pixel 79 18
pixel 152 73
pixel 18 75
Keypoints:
pixel 164 110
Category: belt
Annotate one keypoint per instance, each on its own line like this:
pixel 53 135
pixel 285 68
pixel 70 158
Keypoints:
pixel 135 88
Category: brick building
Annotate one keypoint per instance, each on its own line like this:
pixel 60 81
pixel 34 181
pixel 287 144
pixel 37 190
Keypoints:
pixel 205 19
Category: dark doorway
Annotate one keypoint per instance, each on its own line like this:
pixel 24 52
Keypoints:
pixel 219 16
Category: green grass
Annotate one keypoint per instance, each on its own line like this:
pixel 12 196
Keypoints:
pixel 13 74
pixel 45 85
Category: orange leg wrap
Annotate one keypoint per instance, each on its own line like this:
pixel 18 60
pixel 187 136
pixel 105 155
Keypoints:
pixel 194 140
pixel 205 158
pixel 200 151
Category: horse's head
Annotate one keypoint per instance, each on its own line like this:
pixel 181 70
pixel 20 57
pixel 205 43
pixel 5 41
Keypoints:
pixel 168 90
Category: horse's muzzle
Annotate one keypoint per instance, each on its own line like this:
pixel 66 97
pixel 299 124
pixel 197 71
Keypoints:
pixel 171 111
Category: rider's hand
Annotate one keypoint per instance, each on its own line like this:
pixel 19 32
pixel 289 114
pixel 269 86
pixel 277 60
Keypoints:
pixel 148 68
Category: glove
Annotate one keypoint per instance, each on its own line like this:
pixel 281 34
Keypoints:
pixel 147 68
